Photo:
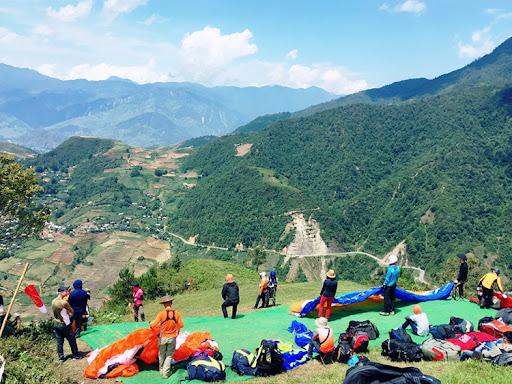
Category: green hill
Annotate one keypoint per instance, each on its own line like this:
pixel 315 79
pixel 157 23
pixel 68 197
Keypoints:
pixel 434 172
pixel 17 150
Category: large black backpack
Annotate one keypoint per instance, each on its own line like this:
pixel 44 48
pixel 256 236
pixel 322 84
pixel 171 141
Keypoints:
pixel 376 373
pixel 269 360
pixel 343 352
pixel 402 351
pixel 443 331
pixel 400 334
pixel 460 325
pixel 365 326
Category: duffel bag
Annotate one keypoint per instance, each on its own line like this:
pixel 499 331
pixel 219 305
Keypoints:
pixel 400 334
pixel 359 342
pixel 443 331
pixel 460 325
pixel 376 373
pixel 206 368
pixel 505 315
pixel 504 359
pixel 365 326
pixel 401 351
pixel 244 362
pixel 440 350
pixel 495 328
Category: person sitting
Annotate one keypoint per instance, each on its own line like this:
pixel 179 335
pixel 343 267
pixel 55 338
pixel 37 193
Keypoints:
pixel 231 295
pixel 418 322
pixel 263 291
pixel 488 282
pixel 323 338
pixel 327 294
pixel 169 323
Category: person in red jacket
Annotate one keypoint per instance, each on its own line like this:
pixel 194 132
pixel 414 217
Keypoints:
pixel 327 294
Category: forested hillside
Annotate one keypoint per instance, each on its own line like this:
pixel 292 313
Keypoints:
pixel 435 172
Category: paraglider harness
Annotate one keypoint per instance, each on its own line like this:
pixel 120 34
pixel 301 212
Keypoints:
pixel 272 288
pixel 173 318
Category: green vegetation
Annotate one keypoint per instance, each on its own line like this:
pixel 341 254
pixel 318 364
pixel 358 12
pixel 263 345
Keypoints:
pixel 262 122
pixel 197 141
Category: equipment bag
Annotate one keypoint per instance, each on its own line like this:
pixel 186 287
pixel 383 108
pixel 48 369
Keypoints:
pixel 244 362
pixel 505 315
pixel 483 320
pixel 269 360
pixel 400 351
pixel 504 359
pixel 443 331
pixel 376 373
pixel 343 352
pixel 440 350
pixel 495 328
pixel 206 368
pixel 363 326
pixel 400 334
pixel 460 325
pixel 359 342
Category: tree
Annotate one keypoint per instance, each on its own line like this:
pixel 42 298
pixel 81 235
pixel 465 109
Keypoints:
pixel 258 256
pixel 20 215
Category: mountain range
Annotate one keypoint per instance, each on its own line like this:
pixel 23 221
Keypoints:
pixel 40 112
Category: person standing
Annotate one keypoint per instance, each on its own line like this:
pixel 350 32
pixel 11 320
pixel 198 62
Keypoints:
pixel 78 299
pixel 392 274
pixel 462 277
pixel 263 291
pixel 488 282
pixel 327 294
pixel 272 286
pixel 169 324
pixel 138 302
pixel 231 296
pixel 63 313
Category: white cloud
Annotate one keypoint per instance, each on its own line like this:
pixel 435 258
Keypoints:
pixel 69 12
pixel 481 44
pixel 416 7
pixel 293 54
pixel 151 19
pixel 7 37
pixel 208 48
pixel 113 8
pixel 42 30
pixel 141 74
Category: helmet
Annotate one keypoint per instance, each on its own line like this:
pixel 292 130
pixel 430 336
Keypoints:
pixel 273 274
pixel 496 270
pixel 393 259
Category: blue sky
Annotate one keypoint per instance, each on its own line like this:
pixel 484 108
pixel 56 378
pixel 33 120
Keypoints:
pixel 340 45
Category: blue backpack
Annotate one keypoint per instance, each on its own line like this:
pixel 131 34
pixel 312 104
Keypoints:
pixel 206 368
pixel 244 362
pixel 400 334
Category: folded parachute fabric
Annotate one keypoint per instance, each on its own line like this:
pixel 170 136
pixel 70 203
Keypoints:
pixel 120 358
pixel 292 357
pixel 358 297
pixel 302 334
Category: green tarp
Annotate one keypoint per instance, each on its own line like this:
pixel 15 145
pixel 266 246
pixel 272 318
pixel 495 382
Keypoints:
pixel 249 329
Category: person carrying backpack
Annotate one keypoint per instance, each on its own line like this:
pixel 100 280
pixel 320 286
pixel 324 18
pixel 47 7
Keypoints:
pixel 418 322
pixel 78 299
pixel 323 338
pixel 137 302
pixel 263 291
pixel 488 282
pixel 462 277
pixel 392 274
pixel 272 286
pixel 327 294
pixel 170 324
pixel 231 295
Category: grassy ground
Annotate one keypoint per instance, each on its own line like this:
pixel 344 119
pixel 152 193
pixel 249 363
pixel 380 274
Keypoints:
pixel 201 312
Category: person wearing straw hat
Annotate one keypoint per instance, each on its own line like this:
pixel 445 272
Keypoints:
pixel 327 294
pixel 392 274
pixel 169 324
pixel 323 338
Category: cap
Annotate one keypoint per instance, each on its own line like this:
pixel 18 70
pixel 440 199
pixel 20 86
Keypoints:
pixel 462 256
pixel 63 289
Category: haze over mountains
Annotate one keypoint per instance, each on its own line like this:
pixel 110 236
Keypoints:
pixel 40 112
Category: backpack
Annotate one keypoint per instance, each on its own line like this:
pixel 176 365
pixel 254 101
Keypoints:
pixel 444 331
pixel 504 359
pixel 495 328
pixel 359 342
pixel 400 334
pixel 484 320
pixel 244 362
pixel 343 352
pixel 460 325
pixel 401 351
pixel 505 315
pixel 376 373
pixel 363 326
pixel 269 360
pixel 206 368
pixel 440 350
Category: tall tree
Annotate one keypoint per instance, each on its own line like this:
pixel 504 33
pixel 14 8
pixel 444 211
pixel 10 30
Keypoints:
pixel 20 215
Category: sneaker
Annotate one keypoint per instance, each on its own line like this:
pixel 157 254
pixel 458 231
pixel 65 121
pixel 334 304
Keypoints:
pixel 392 313
pixel 384 313
pixel 78 357
pixel 62 359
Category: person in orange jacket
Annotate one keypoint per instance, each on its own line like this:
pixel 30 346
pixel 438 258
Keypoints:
pixel 170 323
pixel 263 291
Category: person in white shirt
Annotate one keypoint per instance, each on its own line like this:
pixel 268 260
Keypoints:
pixel 418 322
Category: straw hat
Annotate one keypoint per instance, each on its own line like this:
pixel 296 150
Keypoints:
pixel 330 274
pixel 166 299
pixel 393 259
pixel 321 322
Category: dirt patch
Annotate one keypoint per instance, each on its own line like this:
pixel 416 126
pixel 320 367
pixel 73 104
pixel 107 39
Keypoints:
pixel 428 218
pixel 243 149
pixel 189 175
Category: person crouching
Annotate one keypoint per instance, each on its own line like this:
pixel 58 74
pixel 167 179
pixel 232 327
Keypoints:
pixel 170 323
pixel 323 338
